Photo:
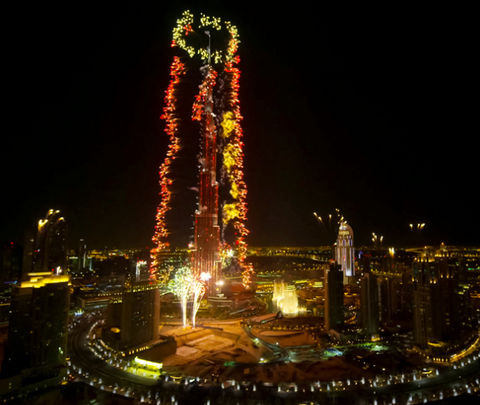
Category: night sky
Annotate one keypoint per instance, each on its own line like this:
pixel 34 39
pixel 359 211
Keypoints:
pixel 366 110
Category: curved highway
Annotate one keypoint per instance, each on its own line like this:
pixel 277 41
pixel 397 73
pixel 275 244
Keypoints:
pixel 89 368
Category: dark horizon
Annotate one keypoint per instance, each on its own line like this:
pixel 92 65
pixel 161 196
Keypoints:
pixel 364 110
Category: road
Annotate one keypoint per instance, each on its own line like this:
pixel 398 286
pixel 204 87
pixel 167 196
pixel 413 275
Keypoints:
pixel 87 367
pixel 450 382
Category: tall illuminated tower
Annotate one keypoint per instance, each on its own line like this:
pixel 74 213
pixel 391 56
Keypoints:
pixel 345 252
pixel 219 229
pixel 206 255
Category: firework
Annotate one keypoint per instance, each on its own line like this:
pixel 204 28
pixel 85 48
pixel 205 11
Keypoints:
pixel 160 237
pixel 198 290
pixel 181 286
pixel 224 119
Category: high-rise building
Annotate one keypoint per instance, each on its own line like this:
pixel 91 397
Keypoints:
pixel 27 259
pixel 442 312
pixel 79 263
pixel 10 263
pixel 133 320
pixel 345 252
pixel 206 255
pixel 393 278
pixel 37 334
pixel 334 311
pixel 82 256
pixel 369 305
pixel 50 246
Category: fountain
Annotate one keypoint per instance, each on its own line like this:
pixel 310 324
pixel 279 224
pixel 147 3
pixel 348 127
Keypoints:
pixel 278 290
pixel 285 297
pixel 290 301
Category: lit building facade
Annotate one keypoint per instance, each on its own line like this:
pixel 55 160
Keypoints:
pixel 50 246
pixel 37 334
pixel 394 280
pixel 345 251
pixel 442 312
pixel 206 254
pixel 133 319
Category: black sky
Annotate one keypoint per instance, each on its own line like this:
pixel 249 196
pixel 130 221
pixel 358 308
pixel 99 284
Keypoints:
pixel 366 110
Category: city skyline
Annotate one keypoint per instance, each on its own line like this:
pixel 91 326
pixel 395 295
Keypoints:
pixel 344 139
pixel 344 111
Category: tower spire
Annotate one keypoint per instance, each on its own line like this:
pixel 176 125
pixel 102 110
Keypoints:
pixel 206 255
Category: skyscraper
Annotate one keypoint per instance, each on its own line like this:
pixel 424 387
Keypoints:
pixel 334 311
pixel 345 252
pixel 10 263
pixel 441 313
pixel 50 246
pixel 133 320
pixel 82 256
pixel 37 334
pixel 206 255
pixel 27 260
pixel 369 307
